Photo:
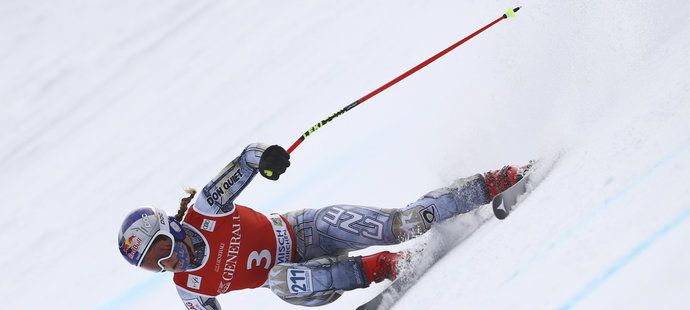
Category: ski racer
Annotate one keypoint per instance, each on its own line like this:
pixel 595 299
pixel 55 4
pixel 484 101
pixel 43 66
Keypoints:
pixel 215 245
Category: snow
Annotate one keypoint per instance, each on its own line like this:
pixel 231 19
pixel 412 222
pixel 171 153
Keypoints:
pixel 108 105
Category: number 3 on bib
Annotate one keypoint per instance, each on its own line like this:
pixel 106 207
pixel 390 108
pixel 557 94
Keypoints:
pixel 255 259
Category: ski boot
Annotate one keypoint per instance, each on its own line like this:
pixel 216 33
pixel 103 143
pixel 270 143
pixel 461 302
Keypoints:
pixel 381 266
pixel 498 181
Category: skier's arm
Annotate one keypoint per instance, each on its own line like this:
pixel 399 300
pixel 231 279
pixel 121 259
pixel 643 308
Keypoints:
pixel 197 302
pixel 218 195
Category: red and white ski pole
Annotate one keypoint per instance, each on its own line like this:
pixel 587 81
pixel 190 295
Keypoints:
pixel 508 14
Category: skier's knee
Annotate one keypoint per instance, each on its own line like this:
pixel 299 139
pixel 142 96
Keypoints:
pixel 413 221
pixel 294 286
pixel 316 282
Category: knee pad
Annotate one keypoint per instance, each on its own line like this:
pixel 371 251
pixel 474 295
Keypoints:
pixel 413 221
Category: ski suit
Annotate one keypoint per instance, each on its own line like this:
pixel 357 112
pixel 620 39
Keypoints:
pixel 302 255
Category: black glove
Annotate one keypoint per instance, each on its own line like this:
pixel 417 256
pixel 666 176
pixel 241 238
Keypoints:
pixel 273 162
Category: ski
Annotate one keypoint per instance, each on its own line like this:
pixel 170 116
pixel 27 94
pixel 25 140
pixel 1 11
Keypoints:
pixel 504 202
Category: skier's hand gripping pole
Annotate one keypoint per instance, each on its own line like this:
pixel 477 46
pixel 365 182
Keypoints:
pixel 274 161
pixel 508 14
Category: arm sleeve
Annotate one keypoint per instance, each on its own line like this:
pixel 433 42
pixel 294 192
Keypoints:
pixel 197 302
pixel 218 195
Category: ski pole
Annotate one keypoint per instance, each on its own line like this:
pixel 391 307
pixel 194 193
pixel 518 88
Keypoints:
pixel 508 14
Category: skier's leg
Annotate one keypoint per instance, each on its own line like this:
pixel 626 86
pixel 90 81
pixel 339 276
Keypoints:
pixel 321 281
pixel 316 282
pixel 463 196
pixel 338 229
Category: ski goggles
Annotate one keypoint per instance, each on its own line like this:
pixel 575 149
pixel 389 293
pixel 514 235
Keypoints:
pixel 161 246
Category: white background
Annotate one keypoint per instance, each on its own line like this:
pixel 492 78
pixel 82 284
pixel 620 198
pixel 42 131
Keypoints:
pixel 108 105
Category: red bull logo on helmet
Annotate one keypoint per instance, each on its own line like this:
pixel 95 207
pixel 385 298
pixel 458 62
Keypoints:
pixel 131 246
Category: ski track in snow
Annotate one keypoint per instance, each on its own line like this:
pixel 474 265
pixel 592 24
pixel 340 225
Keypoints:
pixel 577 228
pixel 636 251
pixel 109 105
pixel 625 260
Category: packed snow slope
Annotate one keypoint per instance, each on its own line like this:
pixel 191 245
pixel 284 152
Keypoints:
pixel 108 105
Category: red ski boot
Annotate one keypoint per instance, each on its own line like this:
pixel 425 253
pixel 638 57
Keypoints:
pixel 499 180
pixel 381 266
